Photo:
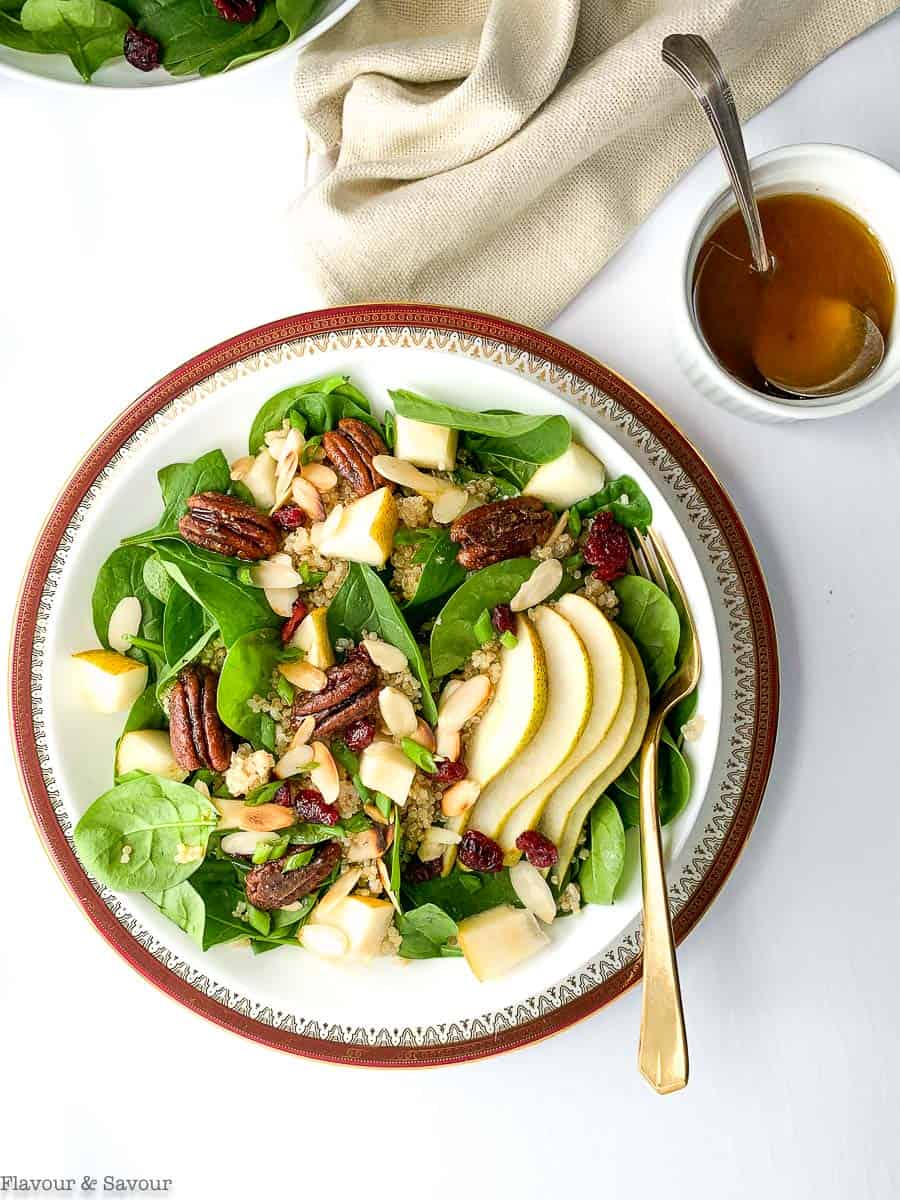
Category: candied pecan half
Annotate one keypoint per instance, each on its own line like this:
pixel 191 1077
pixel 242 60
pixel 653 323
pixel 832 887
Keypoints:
pixel 229 526
pixel 502 529
pixel 351 448
pixel 268 886
pixel 198 737
pixel 350 693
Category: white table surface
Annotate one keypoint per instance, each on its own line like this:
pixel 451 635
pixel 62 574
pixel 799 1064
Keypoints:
pixel 139 229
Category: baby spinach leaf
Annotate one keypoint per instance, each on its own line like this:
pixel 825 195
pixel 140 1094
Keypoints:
pixel 178 482
pixel 453 636
pixel 247 672
pixel 226 908
pixel 88 31
pixel 363 604
pixel 12 34
pixel 239 52
pixel 192 33
pixel 463 893
pixel 683 711
pixel 157 579
pixel 601 871
pixel 650 618
pixel 425 931
pixel 491 424
pixel 516 458
pixel 184 623
pixel 123 575
pixel 441 573
pixel 624 499
pixel 297 14
pixel 130 836
pixel 673 784
pixel 212 580
pixel 184 905
pixel 321 403
pixel 146 712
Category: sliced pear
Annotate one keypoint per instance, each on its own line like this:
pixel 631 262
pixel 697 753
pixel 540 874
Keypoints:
pixel 148 750
pixel 425 445
pixel 365 532
pixel 568 839
pixel 311 636
pixel 495 941
pixel 569 695
pixel 607 659
pixel 573 476
pixel 363 920
pixel 510 721
pixel 108 681
pixel 384 767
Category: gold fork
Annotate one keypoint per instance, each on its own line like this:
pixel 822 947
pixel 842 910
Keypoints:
pixel 662 1052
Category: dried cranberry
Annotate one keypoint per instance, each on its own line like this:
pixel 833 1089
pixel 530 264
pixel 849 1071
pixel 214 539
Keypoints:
pixel 289 516
pixel 479 852
pixel 360 734
pixel 141 50
pixel 311 806
pixel 243 11
pixel 450 772
pixel 607 548
pixel 539 850
pixel 289 628
pixel 420 872
pixel 503 620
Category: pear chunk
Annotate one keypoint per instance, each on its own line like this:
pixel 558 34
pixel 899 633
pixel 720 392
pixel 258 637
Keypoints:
pixel 424 445
pixel 365 531
pixel 570 804
pixel 148 750
pixel 569 697
pixel 495 941
pixel 311 636
pixel 108 681
pixel 574 476
pixel 363 920
pixel 607 659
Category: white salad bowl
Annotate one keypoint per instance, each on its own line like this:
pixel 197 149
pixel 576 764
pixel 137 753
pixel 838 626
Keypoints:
pixel 861 183
pixel 392 1012
pixel 118 75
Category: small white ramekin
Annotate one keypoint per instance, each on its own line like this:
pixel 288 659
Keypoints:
pixel 865 185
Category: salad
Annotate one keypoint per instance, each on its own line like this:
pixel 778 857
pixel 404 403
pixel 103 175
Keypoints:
pixel 385 682
pixel 186 37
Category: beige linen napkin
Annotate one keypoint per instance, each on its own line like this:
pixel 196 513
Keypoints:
pixel 493 154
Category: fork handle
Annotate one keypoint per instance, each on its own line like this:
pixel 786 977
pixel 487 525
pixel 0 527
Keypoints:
pixel 663 1052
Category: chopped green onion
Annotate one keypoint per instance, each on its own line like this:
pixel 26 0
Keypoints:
pixel 263 794
pixel 283 688
pixel 140 643
pixel 574 522
pixel 259 920
pixel 310 577
pixel 422 757
pixel 395 856
pixel 269 850
pixel 294 861
pixel 509 640
pixel 244 576
pixel 483 628
pixel 383 803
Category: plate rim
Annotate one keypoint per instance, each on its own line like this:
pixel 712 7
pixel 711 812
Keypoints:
pixel 336 320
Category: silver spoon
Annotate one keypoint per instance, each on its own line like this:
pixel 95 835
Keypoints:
pixel 692 59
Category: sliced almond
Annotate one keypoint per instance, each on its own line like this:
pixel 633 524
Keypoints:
pixel 281 600
pixel 408 476
pixel 447 743
pixel 265 818
pixel 308 498
pixel 385 877
pixel 364 846
pixel 450 687
pixel 269 574
pixel 459 798
pixel 424 736
pixel 288 465
pixel 386 656
pixel 532 889
pixel 429 850
pixel 541 583
pixel 275 440
pixel 339 890
pixel 375 814
pixel 304 675
pixel 321 477
pixel 558 528
pixel 442 836
pixel 293 761
pixel 326 941
pixel 241 468
pixel 449 504
pixel 397 712
pixel 202 787
pixel 124 622
pixel 304 732
pixel 324 775
pixel 466 702
pixel 245 841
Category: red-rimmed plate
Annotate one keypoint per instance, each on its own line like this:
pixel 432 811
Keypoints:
pixel 392 1013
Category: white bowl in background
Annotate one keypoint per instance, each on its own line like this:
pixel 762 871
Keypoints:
pixel 868 187
pixel 119 75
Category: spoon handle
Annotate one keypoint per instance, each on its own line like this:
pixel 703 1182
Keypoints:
pixel 690 56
